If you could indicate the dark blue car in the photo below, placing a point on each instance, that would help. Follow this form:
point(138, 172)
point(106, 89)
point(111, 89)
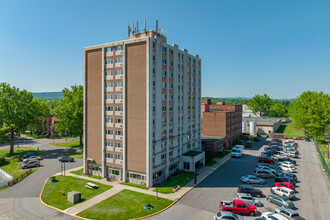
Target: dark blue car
point(267, 153)
point(288, 175)
point(29, 155)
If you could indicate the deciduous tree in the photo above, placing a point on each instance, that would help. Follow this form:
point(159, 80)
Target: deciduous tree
point(260, 104)
point(70, 112)
point(16, 112)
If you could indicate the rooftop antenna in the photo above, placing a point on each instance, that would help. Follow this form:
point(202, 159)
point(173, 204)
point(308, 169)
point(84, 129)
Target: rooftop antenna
point(129, 30)
point(156, 26)
point(162, 31)
point(145, 25)
point(133, 28)
point(137, 26)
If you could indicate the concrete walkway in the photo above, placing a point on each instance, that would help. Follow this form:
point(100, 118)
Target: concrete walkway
point(203, 172)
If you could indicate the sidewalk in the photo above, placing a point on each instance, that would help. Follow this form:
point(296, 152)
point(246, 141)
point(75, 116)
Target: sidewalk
point(117, 187)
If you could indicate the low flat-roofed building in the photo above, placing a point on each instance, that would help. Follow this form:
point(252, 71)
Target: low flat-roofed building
point(261, 125)
point(213, 145)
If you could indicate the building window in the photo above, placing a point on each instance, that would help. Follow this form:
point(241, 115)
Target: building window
point(118, 156)
point(118, 144)
point(170, 154)
point(186, 165)
point(108, 155)
point(171, 52)
point(164, 49)
point(171, 75)
point(119, 72)
point(118, 96)
point(119, 133)
point(153, 45)
point(108, 84)
point(164, 73)
point(119, 84)
point(119, 120)
point(109, 108)
point(109, 61)
point(163, 97)
point(108, 96)
point(110, 132)
point(119, 60)
point(119, 108)
point(108, 120)
point(109, 73)
point(109, 50)
point(164, 108)
point(163, 156)
point(171, 63)
point(109, 143)
point(118, 48)
point(163, 61)
point(163, 84)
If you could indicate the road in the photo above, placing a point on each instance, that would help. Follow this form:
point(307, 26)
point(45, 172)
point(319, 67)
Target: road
point(21, 201)
point(313, 197)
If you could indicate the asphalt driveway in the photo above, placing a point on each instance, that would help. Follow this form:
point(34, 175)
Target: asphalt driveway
point(21, 201)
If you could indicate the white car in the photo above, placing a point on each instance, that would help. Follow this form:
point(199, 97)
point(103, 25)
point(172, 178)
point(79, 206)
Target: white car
point(252, 179)
point(287, 168)
point(272, 216)
point(287, 163)
point(266, 168)
point(227, 215)
point(282, 156)
point(266, 165)
point(282, 191)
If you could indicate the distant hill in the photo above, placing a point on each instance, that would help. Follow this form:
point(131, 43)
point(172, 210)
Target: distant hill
point(48, 95)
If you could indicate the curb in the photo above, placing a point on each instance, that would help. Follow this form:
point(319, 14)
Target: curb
point(227, 157)
point(175, 201)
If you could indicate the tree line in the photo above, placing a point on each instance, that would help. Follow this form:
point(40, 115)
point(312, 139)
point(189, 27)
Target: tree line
point(310, 111)
point(19, 112)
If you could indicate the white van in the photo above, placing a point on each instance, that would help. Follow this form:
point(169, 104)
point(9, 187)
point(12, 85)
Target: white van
point(237, 151)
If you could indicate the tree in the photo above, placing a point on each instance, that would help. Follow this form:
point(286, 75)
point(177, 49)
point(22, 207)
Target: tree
point(311, 111)
point(16, 112)
point(70, 112)
point(42, 111)
point(278, 110)
point(260, 104)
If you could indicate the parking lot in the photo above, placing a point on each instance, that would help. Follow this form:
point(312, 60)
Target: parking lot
point(313, 188)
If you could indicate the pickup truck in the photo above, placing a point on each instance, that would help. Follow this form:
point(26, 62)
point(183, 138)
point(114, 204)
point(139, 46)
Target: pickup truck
point(238, 206)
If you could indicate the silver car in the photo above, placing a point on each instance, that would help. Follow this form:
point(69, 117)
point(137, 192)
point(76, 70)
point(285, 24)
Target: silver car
point(227, 215)
point(247, 198)
point(289, 213)
point(252, 179)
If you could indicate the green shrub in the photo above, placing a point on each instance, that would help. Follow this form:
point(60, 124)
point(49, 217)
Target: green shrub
point(237, 142)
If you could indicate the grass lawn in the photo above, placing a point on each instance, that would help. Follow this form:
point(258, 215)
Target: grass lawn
point(324, 149)
point(96, 177)
point(126, 204)
point(77, 155)
point(210, 163)
point(18, 152)
point(182, 179)
point(68, 144)
point(78, 172)
point(224, 153)
point(52, 193)
point(135, 185)
point(290, 130)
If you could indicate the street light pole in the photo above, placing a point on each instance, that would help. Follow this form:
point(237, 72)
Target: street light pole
point(157, 186)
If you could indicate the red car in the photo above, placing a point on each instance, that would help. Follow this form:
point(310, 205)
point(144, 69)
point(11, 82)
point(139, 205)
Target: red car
point(265, 160)
point(238, 206)
point(286, 185)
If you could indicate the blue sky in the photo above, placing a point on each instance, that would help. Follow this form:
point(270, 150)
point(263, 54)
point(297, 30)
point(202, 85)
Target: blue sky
point(277, 47)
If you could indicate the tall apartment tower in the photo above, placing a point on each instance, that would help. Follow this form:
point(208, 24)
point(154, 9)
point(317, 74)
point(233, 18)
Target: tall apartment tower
point(142, 120)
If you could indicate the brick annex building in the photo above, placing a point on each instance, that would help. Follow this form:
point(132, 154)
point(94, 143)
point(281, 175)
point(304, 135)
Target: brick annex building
point(221, 124)
point(142, 118)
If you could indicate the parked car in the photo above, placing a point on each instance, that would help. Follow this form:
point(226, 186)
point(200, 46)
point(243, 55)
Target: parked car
point(289, 160)
point(250, 190)
point(37, 157)
point(29, 164)
point(266, 165)
point(264, 173)
point(287, 168)
point(290, 175)
point(288, 213)
point(238, 206)
point(266, 168)
point(272, 216)
point(252, 179)
point(264, 159)
point(289, 163)
point(280, 201)
point(248, 144)
point(282, 157)
point(293, 154)
point(285, 179)
point(267, 153)
point(65, 159)
point(247, 198)
point(285, 185)
point(307, 139)
point(281, 191)
point(227, 215)
point(29, 155)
